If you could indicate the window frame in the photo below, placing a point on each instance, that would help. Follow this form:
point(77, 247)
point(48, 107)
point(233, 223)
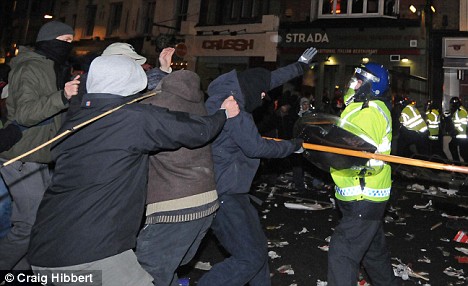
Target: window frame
point(350, 5)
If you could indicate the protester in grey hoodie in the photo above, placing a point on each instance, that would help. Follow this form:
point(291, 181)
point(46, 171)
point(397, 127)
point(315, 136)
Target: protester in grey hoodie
point(90, 215)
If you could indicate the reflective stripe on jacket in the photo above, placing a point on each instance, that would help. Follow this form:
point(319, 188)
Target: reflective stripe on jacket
point(460, 120)
point(433, 123)
point(376, 126)
point(411, 119)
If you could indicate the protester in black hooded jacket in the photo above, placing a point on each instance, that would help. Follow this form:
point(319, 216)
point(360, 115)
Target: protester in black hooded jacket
point(236, 156)
point(91, 213)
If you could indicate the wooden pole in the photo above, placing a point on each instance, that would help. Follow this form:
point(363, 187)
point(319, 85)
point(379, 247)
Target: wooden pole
point(74, 128)
point(383, 157)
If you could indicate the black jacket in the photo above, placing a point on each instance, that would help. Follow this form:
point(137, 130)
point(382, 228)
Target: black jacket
point(9, 136)
point(94, 206)
point(238, 149)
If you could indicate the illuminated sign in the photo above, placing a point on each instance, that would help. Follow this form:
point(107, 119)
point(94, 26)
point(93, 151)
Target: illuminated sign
point(232, 44)
point(307, 38)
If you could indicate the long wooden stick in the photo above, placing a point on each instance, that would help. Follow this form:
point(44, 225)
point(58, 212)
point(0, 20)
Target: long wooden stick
point(383, 157)
point(74, 128)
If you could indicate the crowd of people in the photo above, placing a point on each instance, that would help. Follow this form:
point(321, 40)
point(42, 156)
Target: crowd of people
point(133, 193)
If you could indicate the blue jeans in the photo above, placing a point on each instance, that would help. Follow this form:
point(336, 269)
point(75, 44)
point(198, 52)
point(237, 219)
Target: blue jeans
point(162, 247)
point(5, 209)
point(238, 229)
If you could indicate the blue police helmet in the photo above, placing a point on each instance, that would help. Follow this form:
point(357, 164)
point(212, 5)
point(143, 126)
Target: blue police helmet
point(375, 75)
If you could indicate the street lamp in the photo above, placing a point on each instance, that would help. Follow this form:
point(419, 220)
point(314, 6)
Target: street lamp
point(415, 10)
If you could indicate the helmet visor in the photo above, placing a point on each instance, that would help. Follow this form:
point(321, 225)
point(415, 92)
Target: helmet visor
point(365, 76)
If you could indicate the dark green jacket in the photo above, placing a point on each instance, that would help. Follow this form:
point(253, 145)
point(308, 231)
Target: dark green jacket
point(34, 103)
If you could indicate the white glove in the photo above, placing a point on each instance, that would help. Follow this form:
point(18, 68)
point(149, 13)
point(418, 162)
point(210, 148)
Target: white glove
point(308, 55)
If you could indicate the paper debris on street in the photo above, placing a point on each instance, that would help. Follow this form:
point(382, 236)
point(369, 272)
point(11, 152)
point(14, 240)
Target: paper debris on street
point(286, 269)
point(461, 236)
point(306, 206)
point(273, 255)
point(203, 265)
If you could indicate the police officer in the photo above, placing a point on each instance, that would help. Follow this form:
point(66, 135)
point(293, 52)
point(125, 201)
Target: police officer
point(460, 120)
point(433, 126)
point(413, 130)
point(362, 195)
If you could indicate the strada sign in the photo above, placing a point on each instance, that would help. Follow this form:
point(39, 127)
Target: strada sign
point(231, 44)
point(307, 38)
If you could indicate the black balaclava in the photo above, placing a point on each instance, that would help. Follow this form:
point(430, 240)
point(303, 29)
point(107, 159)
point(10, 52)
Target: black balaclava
point(56, 50)
point(253, 82)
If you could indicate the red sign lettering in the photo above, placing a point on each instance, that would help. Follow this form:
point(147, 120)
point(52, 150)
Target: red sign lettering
point(236, 45)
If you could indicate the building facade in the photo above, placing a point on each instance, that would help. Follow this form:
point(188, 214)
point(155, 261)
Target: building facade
point(423, 47)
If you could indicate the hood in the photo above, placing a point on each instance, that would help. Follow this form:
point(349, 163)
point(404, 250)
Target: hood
point(221, 88)
point(180, 91)
point(253, 82)
point(114, 74)
point(183, 83)
point(25, 54)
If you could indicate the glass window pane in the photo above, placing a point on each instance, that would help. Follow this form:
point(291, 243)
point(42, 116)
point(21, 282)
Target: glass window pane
point(372, 6)
point(327, 7)
point(357, 6)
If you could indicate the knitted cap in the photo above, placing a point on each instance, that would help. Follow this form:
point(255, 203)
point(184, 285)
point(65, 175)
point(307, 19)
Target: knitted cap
point(52, 30)
point(125, 50)
point(253, 82)
point(114, 74)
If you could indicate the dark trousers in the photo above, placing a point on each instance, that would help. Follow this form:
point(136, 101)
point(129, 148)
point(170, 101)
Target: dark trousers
point(298, 172)
point(459, 148)
point(5, 209)
point(453, 148)
point(360, 238)
point(463, 147)
point(435, 147)
point(407, 138)
point(27, 182)
point(238, 229)
point(162, 247)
